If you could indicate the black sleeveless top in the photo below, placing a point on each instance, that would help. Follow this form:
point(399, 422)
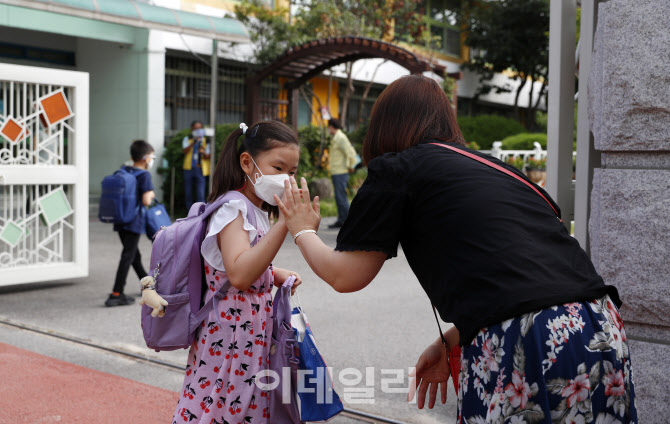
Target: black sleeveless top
point(484, 246)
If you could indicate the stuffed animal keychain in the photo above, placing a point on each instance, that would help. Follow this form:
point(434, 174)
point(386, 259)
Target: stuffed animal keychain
point(151, 298)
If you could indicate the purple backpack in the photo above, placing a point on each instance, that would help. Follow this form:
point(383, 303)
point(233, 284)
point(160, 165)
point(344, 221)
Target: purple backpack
point(177, 266)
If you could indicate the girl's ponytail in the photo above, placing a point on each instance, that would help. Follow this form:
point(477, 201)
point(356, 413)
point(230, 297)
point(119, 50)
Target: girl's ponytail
point(228, 174)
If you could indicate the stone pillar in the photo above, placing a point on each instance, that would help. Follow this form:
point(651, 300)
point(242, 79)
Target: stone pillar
point(629, 227)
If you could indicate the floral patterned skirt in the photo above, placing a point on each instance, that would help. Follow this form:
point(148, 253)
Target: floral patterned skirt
point(564, 364)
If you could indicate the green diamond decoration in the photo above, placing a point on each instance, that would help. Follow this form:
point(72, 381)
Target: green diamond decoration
point(55, 206)
point(11, 234)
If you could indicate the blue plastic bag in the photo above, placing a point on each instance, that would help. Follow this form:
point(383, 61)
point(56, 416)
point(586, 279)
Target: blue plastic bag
point(157, 217)
point(318, 402)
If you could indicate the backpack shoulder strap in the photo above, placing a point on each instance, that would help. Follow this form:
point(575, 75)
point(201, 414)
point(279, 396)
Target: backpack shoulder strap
point(135, 172)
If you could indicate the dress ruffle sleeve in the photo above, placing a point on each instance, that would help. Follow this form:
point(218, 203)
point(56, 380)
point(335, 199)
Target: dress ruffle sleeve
point(222, 217)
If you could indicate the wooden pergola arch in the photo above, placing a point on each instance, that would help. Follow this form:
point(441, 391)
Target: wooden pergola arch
point(301, 63)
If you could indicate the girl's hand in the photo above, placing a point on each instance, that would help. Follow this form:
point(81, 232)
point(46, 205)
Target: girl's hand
point(297, 209)
point(432, 370)
point(281, 275)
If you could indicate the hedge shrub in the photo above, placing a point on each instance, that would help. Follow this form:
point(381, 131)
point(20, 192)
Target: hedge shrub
point(485, 129)
point(524, 141)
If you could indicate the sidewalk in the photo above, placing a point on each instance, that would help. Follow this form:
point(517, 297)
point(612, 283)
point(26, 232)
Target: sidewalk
point(385, 326)
point(68, 393)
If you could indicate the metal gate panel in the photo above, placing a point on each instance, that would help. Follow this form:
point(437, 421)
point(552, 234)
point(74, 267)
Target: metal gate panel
point(43, 174)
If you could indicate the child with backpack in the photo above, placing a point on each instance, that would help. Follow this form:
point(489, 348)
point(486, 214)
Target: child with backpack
point(143, 157)
point(232, 343)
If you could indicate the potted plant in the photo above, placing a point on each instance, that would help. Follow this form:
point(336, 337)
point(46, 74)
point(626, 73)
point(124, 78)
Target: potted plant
point(537, 170)
point(516, 162)
point(472, 145)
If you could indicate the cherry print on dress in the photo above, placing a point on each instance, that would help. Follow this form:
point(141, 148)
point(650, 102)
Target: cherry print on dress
point(230, 340)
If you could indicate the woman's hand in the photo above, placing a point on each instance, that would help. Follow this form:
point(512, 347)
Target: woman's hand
point(281, 275)
point(431, 371)
point(297, 210)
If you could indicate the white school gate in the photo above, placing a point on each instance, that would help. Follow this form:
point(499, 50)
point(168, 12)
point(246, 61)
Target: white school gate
point(43, 174)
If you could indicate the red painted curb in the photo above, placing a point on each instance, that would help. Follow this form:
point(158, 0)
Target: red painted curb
point(37, 389)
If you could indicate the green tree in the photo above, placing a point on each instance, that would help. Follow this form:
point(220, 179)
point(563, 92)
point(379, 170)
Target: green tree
point(509, 35)
point(269, 30)
point(273, 31)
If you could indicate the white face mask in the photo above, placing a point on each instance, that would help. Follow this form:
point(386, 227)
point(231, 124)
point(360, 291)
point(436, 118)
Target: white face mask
point(150, 162)
point(266, 186)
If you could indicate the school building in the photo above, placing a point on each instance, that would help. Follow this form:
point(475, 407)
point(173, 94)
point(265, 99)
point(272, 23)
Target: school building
point(81, 79)
point(149, 66)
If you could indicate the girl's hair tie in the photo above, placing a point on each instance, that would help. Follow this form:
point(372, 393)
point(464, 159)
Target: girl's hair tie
point(244, 127)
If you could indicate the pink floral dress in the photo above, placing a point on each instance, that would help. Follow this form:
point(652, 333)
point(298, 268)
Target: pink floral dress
point(232, 346)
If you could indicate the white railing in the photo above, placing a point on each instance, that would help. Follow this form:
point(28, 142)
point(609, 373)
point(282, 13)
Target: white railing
point(504, 155)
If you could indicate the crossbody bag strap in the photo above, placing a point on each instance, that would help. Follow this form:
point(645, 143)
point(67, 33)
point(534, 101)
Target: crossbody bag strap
point(453, 355)
point(444, 341)
point(501, 169)
point(511, 174)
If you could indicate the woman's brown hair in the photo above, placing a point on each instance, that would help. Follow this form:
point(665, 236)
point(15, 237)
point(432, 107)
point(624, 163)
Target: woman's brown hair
point(409, 111)
point(259, 137)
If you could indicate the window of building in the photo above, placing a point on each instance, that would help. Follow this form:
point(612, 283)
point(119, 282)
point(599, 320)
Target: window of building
point(37, 54)
point(357, 112)
point(446, 36)
point(187, 92)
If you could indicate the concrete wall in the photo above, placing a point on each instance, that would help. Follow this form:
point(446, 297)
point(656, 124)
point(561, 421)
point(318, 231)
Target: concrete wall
point(126, 101)
point(630, 219)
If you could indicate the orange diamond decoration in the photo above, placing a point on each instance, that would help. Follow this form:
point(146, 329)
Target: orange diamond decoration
point(55, 107)
point(12, 130)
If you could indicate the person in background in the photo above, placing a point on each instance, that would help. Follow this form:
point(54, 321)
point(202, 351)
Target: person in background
point(196, 166)
point(142, 154)
point(342, 160)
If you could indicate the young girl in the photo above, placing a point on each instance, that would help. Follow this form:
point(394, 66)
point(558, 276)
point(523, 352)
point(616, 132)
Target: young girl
point(232, 348)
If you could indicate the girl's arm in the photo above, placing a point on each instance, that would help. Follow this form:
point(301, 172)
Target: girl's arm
point(245, 264)
point(343, 271)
